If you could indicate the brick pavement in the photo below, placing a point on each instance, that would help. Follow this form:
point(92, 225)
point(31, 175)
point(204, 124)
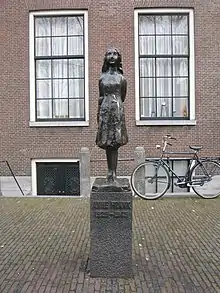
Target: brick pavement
point(44, 247)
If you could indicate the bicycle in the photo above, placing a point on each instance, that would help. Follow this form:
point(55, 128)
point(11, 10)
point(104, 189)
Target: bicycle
point(151, 179)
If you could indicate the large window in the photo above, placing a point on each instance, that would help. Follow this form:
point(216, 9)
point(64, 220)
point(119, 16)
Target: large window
point(165, 65)
point(59, 67)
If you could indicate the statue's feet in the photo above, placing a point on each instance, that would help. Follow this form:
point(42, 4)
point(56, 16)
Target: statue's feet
point(112, 179)
point(111, 176)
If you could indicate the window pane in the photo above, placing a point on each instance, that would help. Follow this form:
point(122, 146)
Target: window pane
point(148, 107)
point(147, 87)
point(60, 108)
point(43, 46)
point(180, 167)
point(60, 88)
point(164, 88)
point(59, 26)
point(43, 89)
point(43, 68)
point(146, 25)
point(59, 68)
point(42, 26)
point(44, 109)
point(164, 107)
point(76, 88)
point(180, 45)
point(180, 24)
point(180, 107)
point(180, 86)
point(147, 67)
point(75, 25)
point(59, 46)
point(76, 108)
point(76, 68)
point(163, 66)
point(180, 67)
point(163, 45)
point(147, 45)
point(75, 46)
point(163, 24)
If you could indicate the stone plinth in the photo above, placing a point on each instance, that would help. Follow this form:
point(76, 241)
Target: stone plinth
point(111, 230)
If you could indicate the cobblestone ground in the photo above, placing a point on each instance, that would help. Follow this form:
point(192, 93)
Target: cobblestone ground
point(44, 247)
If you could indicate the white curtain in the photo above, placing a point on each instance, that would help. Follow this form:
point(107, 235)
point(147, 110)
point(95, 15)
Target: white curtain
point(163, 80)
point(59, 82)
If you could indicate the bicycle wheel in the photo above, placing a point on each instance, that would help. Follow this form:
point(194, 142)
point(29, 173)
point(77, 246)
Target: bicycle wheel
point(150, 180)
point(205, 179)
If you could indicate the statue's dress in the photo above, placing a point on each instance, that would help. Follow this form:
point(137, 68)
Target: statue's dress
point(112, 132)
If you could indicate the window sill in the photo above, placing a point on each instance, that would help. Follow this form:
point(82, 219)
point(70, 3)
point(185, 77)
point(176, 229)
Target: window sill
point(58, 123)
point(165, 122)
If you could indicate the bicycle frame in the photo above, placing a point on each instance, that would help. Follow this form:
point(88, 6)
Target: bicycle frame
point(184, 180)
point(165, 162)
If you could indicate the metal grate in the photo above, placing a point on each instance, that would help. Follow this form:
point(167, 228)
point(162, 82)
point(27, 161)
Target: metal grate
point(49, 179)
point(58, 178)
point(72, 180)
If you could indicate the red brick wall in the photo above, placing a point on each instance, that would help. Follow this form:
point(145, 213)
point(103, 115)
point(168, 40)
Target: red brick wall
point(110, 23)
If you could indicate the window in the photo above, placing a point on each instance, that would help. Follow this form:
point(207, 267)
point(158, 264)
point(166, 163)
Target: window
point(55, 177)
point(164, 66)
point(58, 68)
point(58, 178)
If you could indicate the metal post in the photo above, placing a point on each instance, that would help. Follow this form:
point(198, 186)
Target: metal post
point(14, 177)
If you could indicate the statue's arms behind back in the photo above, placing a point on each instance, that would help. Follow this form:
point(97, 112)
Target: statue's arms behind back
point(123, 89)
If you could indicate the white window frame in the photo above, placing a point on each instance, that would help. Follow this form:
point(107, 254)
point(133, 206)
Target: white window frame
point(33, 122)
point(34, 169)
point(191, 120)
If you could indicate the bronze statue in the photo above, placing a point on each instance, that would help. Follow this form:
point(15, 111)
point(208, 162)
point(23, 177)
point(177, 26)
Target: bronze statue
point(112, 132)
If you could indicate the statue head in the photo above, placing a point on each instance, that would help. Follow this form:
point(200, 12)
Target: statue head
point(112, 58)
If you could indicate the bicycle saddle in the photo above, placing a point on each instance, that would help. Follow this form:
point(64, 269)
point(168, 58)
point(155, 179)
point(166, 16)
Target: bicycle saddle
point(195, 147)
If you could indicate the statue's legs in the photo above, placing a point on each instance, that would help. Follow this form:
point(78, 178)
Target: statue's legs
point(112, 161)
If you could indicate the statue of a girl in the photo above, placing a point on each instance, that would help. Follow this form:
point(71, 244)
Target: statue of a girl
point(112, 132)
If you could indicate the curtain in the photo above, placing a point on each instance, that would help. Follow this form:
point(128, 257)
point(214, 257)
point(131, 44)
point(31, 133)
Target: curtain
point(60, 80)
point(163, 77)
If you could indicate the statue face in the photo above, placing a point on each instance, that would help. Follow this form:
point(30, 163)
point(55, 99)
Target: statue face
point(112, 57)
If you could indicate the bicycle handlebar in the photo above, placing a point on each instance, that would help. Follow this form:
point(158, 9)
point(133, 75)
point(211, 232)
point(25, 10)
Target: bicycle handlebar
point(168, 136)
point(165, 141)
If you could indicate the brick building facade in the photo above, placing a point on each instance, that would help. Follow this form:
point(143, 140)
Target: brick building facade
point(183, 100)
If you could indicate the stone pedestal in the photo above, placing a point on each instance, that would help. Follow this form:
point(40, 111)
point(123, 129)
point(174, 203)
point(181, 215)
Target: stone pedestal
point(111, 230)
